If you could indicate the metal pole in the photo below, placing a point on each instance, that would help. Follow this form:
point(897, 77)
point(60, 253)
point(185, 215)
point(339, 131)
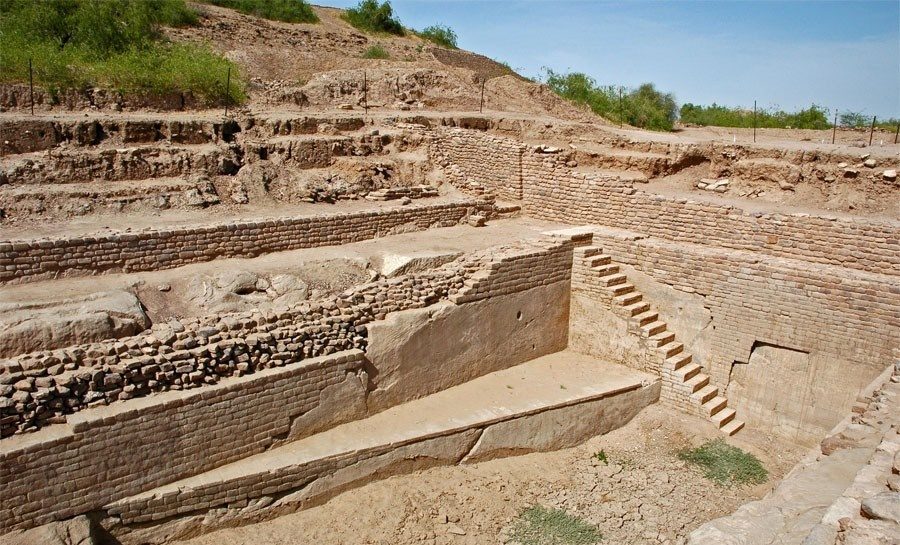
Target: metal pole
point(31, 84)
point(872, 130)
point(754, 121)
point(227, 88)
point(896, 132)
point(481, 105)
point(834, 128)
point(366, 92)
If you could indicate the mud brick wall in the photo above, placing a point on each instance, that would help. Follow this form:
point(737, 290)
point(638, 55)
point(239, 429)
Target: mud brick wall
point(554, 191)
point(492, 161)
point(126, 448)
point(155, 249)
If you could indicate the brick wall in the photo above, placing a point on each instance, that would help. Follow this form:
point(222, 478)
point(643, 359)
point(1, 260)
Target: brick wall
point(67, 469)
point(495, 162)
point(123, 449)
point(554, 191)
point(155, 249)
point(842, 318)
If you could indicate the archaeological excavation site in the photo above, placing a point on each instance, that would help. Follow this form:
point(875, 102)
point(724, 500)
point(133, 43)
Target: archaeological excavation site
point(421, 299)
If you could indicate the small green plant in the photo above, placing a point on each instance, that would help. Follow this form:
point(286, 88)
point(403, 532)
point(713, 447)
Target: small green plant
point(539, 525)
point(724, 464)
point(601, 456)
point(441, 35)
point(289, 11)
point(376, 52)
point(372, 16)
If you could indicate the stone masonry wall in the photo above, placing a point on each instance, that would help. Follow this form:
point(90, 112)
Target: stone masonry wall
point(492, 161)
point(846, 318)
point(127, 448)
point(155, 249)
point(554, 191)
point(64, 470)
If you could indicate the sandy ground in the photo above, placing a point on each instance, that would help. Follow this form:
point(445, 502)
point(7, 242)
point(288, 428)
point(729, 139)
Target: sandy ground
point(644, 495)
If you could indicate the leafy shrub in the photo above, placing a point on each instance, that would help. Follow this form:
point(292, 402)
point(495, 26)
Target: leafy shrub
point(441, 35)
point(814, 117)
point(859, 119)
point(540, 525)
point(644, 107)
point(370, 16)
point(725, 464)
point(376, 52)
point(289, 11)
point(109, 43)
point(853, 119)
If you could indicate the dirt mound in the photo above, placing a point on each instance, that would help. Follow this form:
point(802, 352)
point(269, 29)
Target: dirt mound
point(484, 67)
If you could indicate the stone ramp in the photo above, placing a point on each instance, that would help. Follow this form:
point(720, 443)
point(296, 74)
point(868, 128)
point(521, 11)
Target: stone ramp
point(552, 402)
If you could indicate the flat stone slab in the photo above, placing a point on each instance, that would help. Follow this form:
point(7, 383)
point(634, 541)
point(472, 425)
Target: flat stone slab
point(475, 418)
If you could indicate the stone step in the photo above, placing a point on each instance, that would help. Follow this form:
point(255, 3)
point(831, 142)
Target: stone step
point(622, 289)
point(510, 411)
point(589, 251)
point(597, 260)
point(714, 405)
point(679, 360)
point(646, 317)
point(697, 382)
point(671, 349)
point(605, 270)
point(732, 427)
point(705, 394)
point(653, 328)
point(662, 339)
point(636, 308)
point(687, 372)
point(722, 417)
point(613, 280)
point(628, 298)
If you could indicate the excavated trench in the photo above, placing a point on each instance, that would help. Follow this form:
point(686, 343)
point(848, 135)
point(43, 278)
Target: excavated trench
point(211, 324)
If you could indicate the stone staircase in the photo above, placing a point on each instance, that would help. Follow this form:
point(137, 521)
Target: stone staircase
point(685, 385)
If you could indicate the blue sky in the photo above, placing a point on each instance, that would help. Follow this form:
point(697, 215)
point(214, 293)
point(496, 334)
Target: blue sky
point(838, 54)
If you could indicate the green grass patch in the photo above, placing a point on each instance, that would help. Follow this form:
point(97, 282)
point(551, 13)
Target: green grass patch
point(814, 117)
point(372, 16)
point(376, 52)
point(601, 456)
point(724, 464)
point(441, 35)
point(539, 525)
point(644, 107)
point(112, 44)
point(289, 11)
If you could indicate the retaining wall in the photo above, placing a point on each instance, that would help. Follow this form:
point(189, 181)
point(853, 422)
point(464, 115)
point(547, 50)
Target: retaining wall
point(553, 190)
point(155, 249)
point(104, 453)
point(845, 322)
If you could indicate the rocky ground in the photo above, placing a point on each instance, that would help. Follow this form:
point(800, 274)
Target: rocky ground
point(643, 495)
